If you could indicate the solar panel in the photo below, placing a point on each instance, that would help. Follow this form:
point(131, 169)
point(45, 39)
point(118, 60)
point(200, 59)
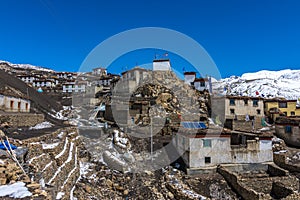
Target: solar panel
point(202, 125)
point(194, 125)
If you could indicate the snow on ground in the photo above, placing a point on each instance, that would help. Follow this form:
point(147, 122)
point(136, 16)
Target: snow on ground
point(16, 190)
point(60, 195)
point(64, 149)
point(63, 165)
point(34, 158)
point(50, 146)
point(41, 126)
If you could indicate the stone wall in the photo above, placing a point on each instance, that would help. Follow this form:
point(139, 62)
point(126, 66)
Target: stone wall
point(245, 192)
point(57, 165)
point(274, 170)
point(280, 160)
point(19, 120)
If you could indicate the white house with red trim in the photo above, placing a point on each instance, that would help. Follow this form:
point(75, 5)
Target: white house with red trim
point(10, 103)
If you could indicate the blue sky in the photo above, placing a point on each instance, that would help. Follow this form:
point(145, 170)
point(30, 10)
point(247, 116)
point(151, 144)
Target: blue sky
point(240, 36)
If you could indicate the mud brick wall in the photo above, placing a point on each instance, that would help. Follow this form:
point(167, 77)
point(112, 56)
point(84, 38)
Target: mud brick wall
point(277, 171)
point(280, 191)
point(280, 160)
point(19, 120)
point(246, 193)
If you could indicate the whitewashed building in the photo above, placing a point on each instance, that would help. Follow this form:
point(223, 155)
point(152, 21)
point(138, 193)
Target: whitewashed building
point(14, 104)
point(161, 65)
point(70, 87)
point(201, 84)
point(206, 151)
point(27, 78)
point(189, 77)
point(43, 83)
point(99, 71)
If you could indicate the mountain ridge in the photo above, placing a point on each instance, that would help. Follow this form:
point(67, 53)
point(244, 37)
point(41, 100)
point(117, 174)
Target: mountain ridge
point(265, 83)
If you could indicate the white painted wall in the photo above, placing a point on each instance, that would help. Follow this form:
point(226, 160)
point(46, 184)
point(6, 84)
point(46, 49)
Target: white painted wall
point(189, 78)
point(162, 66)
point(17, 105)
point(222, 152)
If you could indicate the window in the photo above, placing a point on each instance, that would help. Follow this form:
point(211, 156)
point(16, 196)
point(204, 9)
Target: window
point(206, 143)
point(26, 106)
point(232, 111)
point(288, 129)
point(246, 102)
point(19, 106)
point(285, 113)
point(207, 160)
point(255, 102)
point(11, 105)
point(231, 102)
point(292, 113)
point(202, 84)
point(282, 105)
point(258, 111)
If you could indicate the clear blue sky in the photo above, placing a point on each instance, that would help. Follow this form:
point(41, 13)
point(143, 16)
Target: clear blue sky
point(240, 36)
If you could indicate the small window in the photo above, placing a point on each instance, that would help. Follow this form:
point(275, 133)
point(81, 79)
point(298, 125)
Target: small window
point(292, 113)
point(232, 111)
point(206, 143)
point(282, 105)
point(255, 102)
point(285, 113)
point(288, 129)
point(207, 160)
point(246, 102)
point(11, 105)
point(26, 106)
point(258, 111)
point(202, 84)
point(231, 102)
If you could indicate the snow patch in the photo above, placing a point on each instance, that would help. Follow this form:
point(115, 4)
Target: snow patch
point(50, 146)
point(41, 126)
point(16, 190)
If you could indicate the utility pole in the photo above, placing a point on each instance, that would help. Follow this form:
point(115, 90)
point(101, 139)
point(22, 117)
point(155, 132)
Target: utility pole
point(151, 132)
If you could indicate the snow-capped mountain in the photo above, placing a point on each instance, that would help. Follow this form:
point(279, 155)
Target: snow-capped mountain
point(26, 66)
point(284, 83)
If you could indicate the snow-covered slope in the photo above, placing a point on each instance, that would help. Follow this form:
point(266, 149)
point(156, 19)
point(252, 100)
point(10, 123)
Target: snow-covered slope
point(284, 83)
point(26, 66)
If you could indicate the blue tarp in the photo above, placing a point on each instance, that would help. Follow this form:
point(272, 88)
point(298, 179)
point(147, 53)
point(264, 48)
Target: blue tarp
point(13, 147)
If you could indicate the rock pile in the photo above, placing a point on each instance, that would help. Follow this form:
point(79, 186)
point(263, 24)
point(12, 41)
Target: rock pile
point(11, 173)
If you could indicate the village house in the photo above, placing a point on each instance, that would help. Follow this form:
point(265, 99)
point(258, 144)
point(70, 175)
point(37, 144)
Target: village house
point(100, 71)
point(72, 86)
point(131, 79)
point(206, 149)
point(288, 129)
point(11, 102)
point(280, 107)
point(27, 78)
point(161, 65)
point(107, 80)
point(189, 77)
point(200, 84)
point(240, 112)
point(43, 83)
point(65, 75)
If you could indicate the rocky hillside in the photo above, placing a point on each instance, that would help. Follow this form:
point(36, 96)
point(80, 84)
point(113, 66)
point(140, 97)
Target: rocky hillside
point(39, 101)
